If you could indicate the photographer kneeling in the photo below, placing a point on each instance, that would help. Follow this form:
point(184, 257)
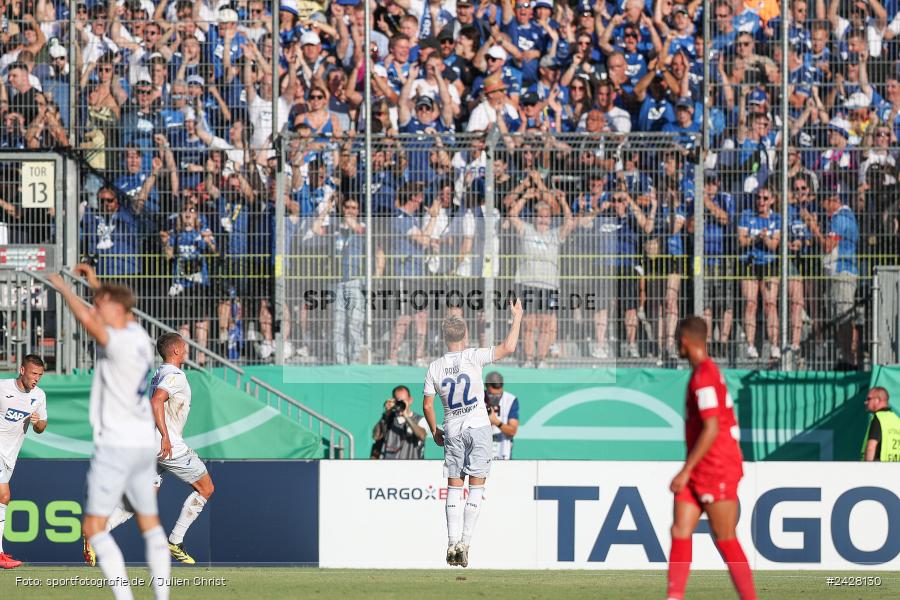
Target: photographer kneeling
point(400, 433)
point(503, 411)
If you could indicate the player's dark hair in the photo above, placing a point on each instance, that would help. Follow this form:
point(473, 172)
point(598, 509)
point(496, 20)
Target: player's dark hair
point(693, 327)
point(166, 344)
point(116, 293)
point(397, 389)
point(33, 359)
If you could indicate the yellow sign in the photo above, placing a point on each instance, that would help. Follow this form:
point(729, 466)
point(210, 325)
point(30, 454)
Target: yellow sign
point(38, 184)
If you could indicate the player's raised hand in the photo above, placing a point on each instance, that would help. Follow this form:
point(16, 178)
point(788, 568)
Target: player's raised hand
point(516, 307)
point(165, 448)
point(439, 436)
point(680, 481)
point(57, 281)
point(87, 271)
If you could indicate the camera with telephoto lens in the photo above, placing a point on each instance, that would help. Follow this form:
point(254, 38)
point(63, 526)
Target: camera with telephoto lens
point(493, 403)
point(399, 406)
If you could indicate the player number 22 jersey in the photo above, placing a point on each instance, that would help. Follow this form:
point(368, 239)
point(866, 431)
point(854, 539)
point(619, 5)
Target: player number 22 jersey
point(708, 397)
point(456, 378)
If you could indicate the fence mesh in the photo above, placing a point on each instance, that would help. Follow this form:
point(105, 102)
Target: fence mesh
point(554, 153)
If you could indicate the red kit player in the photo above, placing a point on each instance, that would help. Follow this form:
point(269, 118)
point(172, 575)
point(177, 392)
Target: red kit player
point(708, 481)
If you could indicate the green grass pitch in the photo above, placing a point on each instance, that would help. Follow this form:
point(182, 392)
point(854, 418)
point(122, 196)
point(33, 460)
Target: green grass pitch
point(333, 584)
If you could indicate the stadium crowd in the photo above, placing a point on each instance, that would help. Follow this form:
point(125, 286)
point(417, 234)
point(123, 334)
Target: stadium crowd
point(579, 121)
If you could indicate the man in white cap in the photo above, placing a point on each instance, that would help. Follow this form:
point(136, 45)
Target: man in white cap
point(495, 59)
point(225, 41)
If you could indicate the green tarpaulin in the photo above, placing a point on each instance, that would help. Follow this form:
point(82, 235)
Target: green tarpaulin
point(224, 423)
point(624, 414)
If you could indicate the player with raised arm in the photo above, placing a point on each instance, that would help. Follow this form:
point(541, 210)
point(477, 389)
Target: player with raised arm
point(709, 480)
point(124, 459)
point(170, 396)
point(22, 403)
point(466, 437)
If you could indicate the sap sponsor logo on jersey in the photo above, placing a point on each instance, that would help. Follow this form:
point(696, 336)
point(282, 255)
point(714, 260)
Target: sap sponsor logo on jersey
point(60, 523)
point(795, 499)
point(14, 415)
point(414, 494)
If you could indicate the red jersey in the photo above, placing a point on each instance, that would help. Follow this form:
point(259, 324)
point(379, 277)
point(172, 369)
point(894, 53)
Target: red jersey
point(707, 396)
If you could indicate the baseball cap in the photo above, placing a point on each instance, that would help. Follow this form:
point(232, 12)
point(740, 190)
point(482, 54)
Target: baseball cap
point(195, 80)
point(143, 81)
point(757, 96)
point(310, 38)
point(857, 100)
point(227, 15)
point(446, 33)
point(494, 378)
point(289, 6)
point(530, 98)
point(464, 2)
point(348, 2)
point(543, 4)
point(684, 102)
point(711, 175)
point(549, 62)
point(497, 52)
point(840, 125)
point(57, 51)
point(425, 101)
point(680, 8)
point(189, 114)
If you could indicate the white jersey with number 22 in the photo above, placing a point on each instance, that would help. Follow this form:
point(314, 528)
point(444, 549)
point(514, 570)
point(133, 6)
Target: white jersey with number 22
point(457, 378)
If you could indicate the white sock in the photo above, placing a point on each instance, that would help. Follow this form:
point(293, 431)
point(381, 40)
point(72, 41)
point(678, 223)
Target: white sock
point(119, 516)
point(454, 514)
point(111, 562)
point(2, 524)
point(470, 517)
point(189, 513)
point(157, 554)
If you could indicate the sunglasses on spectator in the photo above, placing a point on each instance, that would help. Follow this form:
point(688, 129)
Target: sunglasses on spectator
point(763, 197)
point(180, 97)
point(801, 188)
point(106, 69)
point(631, 34)
point(492, 58)
point(885, 134)
point(523, 5)
point(256, 11)
point(448, 41)
point(316, 97)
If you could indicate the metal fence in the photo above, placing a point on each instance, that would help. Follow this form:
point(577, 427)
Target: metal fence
point(769, 217)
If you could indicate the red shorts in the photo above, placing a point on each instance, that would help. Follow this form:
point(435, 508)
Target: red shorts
point(701, 492)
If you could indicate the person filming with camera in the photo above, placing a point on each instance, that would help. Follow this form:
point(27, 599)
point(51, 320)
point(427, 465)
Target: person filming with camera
point(400, 433)
point(503, 411)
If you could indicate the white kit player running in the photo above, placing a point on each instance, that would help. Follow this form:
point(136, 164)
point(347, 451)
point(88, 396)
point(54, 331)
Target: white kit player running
point(22, 403)
point(124, 459)
point(170, 396)
point(467, 438)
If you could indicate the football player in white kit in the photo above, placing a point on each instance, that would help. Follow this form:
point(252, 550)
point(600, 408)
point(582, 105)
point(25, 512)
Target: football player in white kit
point(170, 396)
point(22, 403)
point(124, 460)
point(466, 437)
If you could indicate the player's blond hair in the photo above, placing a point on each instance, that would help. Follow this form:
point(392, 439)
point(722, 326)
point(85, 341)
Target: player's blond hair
point(454, 329)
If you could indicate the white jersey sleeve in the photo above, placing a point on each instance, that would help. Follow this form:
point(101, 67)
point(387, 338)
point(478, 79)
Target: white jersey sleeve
point(174, 382)
point(120, 411)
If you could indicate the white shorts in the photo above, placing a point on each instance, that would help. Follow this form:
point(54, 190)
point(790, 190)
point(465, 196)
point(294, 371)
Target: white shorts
point(469, 453)
point(121, 475)
point(6, 471)
point(187, 467)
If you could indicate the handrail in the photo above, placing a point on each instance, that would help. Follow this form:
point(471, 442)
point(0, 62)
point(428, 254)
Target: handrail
point(334, 450)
